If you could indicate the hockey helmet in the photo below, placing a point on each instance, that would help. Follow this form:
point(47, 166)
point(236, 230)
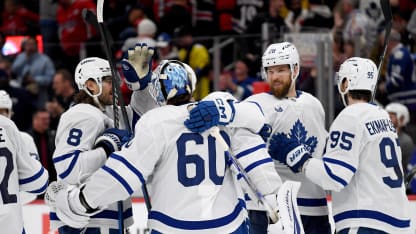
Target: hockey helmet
point(280, 54)
point(361, 74)
point(172, 78)
point(91, 68)
point(401, 111)
point(6, 102)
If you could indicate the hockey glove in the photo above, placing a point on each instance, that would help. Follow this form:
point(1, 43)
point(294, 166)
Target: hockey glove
point(265, 132)
point(207, 114)
point(137, 68)
point(288, 151)
point(64, 199)
point(112, 139)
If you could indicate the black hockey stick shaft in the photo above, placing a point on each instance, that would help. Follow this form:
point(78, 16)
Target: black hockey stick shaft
point(410, 176)
point(388, 18)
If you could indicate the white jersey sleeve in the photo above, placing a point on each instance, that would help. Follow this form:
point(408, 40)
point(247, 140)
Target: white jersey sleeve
point(19, 172)
point(29, 143)
point(75, 157)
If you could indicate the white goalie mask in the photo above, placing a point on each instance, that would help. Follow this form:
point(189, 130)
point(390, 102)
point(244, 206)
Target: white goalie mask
point(360, 73)
point(280, 54)
point(172, 78)
point(6, 102)
point(91, 68)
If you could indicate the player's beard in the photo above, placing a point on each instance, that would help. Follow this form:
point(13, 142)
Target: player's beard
point(106, 99)
point(283, 89)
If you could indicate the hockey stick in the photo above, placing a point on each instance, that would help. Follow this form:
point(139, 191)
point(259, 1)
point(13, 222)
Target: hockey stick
point(215, 132)
point(388, 18)
point(410, 176)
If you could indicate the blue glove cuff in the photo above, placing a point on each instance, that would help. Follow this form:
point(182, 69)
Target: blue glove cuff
point(133, 81)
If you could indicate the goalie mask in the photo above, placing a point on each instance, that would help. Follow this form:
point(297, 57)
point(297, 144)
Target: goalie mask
point(91, 68)
point(280, 54)
point(360, 73)
point(172, 78)
point(6, 102)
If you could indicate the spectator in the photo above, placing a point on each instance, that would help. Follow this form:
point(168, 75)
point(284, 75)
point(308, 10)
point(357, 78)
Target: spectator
point(34, 71)
point(18, 20)
point(179, 15)
point(146, 31)
point(49, 29)
point(23, 104)
point(239, 82)
point(399, 115)
point(73, 30)
point(166, 49)
point(44, 140)
point(63, 96)
point(400, 85)
point(197, 56)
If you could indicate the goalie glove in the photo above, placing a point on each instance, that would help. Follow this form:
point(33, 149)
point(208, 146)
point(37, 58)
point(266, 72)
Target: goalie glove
point(112, 139)
point(207, 114)
point(137, 68)
point(65, 200)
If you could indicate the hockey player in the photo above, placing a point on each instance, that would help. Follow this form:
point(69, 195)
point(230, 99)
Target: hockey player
point(6, 110)
point(192, 187)
point(85, 136)
point(20, 172)
point(292, 112)
point(361, 165)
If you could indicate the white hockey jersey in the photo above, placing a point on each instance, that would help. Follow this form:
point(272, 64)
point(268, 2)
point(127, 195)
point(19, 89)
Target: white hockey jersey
point(192, 188)
point(303, 118)
point(362, 167)
point(76, 159)
point(29, 143)
point(19, 172)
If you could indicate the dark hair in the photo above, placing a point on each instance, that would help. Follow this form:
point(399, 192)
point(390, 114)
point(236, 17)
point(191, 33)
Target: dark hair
point(83, 97)
point(364, 95)
point(180, 99)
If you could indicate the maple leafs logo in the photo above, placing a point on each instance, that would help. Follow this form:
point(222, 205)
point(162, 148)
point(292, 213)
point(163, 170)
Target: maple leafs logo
point(299, 133)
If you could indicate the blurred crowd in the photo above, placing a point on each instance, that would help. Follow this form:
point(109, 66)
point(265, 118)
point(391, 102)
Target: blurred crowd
point(41, 82)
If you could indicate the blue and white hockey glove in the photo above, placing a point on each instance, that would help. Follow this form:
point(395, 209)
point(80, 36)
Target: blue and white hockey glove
point(288, 151)
point(137, 68)
point(112, 139)
point(207, 114)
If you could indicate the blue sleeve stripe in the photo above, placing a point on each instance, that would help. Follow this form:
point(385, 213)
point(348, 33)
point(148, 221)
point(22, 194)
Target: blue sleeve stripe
point(372, 214)
point(312, 202)
point(65, 156)
point(334, 177)
point(71, 166)
point(118, 178)
point(340, 163)
point(197, 225)
point(254, 165)
point(250, 150)
point(32, 178)
point(41, 190)
point(105, 214)
point(129, 166)
point(258, 105)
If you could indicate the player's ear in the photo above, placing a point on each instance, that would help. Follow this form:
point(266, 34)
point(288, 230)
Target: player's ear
point(92, 86)
point(344, 84)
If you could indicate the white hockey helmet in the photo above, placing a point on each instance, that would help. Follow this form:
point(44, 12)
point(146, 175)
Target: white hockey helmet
point(172, 78)
point(401, 111)
point(280, 54)
point(91, 68)
point(361, 74)
point(6, 102)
